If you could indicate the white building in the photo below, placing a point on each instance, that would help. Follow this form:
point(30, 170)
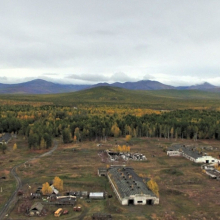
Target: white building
point(96, 195)
point(191, 154)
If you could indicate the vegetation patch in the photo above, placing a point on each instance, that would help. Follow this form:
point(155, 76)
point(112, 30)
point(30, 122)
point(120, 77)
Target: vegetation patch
point(172, 171)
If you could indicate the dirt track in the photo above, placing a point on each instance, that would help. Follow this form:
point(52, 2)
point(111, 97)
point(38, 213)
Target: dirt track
point(12, 198)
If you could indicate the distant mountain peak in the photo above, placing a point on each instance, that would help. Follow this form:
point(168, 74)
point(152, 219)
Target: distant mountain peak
point(41, 86)
point(207, 84)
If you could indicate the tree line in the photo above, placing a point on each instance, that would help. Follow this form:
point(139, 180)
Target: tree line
point(41, 124)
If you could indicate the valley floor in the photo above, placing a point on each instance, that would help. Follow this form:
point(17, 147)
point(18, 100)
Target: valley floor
point(185, 191)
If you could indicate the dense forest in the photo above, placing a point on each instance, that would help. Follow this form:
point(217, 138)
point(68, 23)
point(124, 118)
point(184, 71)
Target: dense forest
point(40, 124)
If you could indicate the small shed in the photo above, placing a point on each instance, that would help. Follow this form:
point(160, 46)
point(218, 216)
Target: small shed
point(96, 195)
point(84, 194)
point(36, 209)
point(55, 191)
point(102, 171)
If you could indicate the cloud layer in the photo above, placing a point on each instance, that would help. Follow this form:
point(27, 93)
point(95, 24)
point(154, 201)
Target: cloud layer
point(174, 42)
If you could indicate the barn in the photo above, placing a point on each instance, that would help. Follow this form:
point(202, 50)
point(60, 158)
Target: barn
point(130, 188)
point(36, 209)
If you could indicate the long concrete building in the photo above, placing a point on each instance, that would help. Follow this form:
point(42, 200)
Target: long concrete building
point(129, 187)
point(190, 153)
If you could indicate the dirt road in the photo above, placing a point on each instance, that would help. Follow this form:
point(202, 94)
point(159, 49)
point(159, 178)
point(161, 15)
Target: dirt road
point(3, 212)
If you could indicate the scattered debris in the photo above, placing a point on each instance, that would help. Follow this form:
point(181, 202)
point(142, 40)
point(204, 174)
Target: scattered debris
point(114, 156)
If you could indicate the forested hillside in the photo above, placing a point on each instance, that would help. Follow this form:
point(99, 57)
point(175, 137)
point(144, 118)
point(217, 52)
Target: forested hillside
point(110, 96)
point(41, 124)
point(104, 112)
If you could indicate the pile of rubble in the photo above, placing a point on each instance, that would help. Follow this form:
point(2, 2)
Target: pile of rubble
point(114, 156)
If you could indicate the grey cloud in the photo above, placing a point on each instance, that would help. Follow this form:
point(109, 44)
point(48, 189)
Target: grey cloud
point(148, 77)
point(119, 76)
point(88, 77)
point(3, 78)
point(51, 74)
point(104, 37)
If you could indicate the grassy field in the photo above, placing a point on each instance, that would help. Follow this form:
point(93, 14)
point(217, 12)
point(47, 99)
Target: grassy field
point(162, 99)
point(185, 192)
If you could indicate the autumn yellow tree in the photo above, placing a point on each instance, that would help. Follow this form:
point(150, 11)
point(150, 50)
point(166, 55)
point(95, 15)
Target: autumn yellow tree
point(46, 189)
point(42, 143)
point(172, 132)
point(58, 183)
point(15, 146)
point(123, 148)
point(115, 130)
point(128, 138)
point(152, 185)
point(74, 138)
point(77, 134)
point(119, 148)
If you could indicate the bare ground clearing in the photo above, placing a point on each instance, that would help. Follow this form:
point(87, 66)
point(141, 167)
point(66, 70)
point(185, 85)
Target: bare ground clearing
point(185, 192)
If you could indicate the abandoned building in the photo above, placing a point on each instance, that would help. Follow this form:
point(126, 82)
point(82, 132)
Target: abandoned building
point(214, 174)
point(114, 156)
point(78, 193)
point(5, 138)
point(190, 153)
point(96, 195)
point(102, 171)
point(129, 187)
point(62, 200)
point(211, 171)
point(36, 209)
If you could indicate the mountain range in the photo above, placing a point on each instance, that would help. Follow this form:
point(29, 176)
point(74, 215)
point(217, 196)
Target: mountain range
point(39, 86)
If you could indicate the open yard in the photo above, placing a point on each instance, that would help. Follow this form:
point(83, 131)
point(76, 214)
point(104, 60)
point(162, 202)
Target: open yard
point(185, 191)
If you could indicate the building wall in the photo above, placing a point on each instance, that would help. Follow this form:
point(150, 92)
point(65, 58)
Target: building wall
point(102, 173)
point(203, 159)
point(174, 153)
point(138, 198)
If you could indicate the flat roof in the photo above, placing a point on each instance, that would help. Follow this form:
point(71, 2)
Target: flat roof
point(6, 137)
point(190, 151)
point(96, 194)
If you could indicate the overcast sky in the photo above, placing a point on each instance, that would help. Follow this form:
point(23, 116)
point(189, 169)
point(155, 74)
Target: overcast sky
point(176, 42)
